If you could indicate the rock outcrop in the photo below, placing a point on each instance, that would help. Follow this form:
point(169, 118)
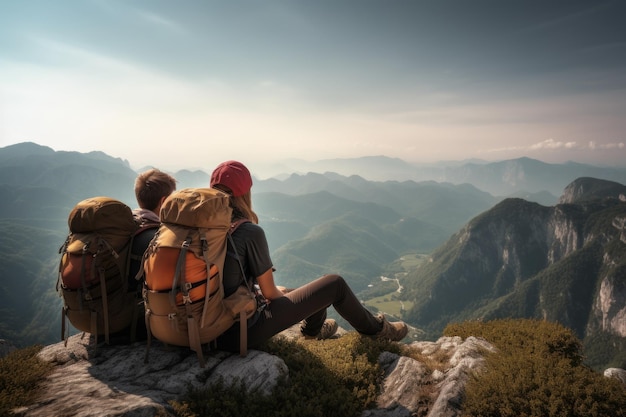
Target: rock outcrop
point(410, 388)
point(116, 381)
point(616, 373)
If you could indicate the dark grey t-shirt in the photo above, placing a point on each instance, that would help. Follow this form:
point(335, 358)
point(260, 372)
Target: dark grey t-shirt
point(254, 253)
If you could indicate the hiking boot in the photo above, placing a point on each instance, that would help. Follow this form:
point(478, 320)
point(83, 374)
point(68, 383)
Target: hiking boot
point(328, 330)
point(394, 332)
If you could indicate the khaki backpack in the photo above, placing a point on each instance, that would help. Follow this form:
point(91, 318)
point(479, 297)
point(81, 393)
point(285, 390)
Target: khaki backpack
point(93, 269)
point(183, 271)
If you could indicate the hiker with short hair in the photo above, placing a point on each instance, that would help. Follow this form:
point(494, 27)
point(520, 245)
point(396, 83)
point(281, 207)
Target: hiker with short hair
point(306, 304)
point(152, 187)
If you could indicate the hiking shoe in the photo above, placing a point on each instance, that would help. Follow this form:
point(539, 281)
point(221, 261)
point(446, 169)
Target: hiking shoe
point(328, 330)
point(394, 332)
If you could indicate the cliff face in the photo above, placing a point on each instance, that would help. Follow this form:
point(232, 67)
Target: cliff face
point(609, 313)
point(565, 263)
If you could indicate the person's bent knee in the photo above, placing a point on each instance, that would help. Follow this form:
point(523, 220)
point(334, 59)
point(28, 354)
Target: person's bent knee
point(335, 277)
point(337, 282)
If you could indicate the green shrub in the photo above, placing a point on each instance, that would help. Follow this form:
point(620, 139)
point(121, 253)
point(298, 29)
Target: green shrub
point(21, 371)
point(537, 372)
point(336, 377)
point(600, 346)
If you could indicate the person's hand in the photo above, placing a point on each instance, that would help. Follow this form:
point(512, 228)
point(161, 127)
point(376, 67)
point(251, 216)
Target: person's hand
point(284, 290)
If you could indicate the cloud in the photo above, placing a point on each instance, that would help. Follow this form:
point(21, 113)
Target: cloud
point(77, 57)
point(602, 146)
point(160, 21)
point(552, 144)
point(555, 145)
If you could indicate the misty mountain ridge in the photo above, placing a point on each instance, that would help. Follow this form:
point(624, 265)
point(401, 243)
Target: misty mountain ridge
point(536, 180)
point(501, 178)
point(73, 175)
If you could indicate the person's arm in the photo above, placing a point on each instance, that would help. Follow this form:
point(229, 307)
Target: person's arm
point(268, 286)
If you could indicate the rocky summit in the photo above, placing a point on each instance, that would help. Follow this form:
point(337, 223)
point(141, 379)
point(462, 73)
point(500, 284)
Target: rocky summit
point(115, 380)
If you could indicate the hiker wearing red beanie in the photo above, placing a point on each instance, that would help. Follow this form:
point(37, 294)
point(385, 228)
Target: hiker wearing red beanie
point(306, 304)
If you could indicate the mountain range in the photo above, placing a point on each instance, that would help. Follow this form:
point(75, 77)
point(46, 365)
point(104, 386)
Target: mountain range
point(508, 178)
point(507, 244)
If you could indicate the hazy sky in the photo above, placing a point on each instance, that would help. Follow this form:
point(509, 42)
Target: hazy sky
point(186, 84)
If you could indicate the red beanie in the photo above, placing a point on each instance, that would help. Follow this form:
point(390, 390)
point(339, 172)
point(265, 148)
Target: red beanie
point(234, 175)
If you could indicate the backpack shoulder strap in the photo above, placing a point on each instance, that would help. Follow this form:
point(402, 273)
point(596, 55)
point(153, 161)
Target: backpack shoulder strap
point(234, 254)
point(236, 224)
point(145, 225)
point(139, 257)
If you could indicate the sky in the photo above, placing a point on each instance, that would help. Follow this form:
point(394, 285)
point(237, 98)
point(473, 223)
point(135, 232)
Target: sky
point(188, 84)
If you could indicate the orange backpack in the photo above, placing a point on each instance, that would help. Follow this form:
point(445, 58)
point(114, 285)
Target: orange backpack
point(183, 267)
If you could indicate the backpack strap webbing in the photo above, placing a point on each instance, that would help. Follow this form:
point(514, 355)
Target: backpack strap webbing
point(105, 308)
point(179, 285)
point(65, 329)
point(234, 253)
point(243, 321)
point(179, 279)
point(207, 263)
point(243, 334)
point(148, 331)
point(194, 334)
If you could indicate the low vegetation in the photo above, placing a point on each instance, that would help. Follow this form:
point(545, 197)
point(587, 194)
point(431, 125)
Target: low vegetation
point(337, 377)
point(21, 372)
point(537, 372)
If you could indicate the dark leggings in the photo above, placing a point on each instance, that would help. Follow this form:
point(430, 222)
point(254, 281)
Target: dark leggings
point(308, 303)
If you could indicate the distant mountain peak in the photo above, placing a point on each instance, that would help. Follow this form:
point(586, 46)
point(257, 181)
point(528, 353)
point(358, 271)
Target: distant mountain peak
point(587, 188)
point(25, 149)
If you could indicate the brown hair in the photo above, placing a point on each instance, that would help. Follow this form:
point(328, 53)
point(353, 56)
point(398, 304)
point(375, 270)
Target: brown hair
point(151, 186)
point(241, 205)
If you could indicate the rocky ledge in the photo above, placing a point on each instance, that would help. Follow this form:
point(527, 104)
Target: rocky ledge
point(117, 382)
